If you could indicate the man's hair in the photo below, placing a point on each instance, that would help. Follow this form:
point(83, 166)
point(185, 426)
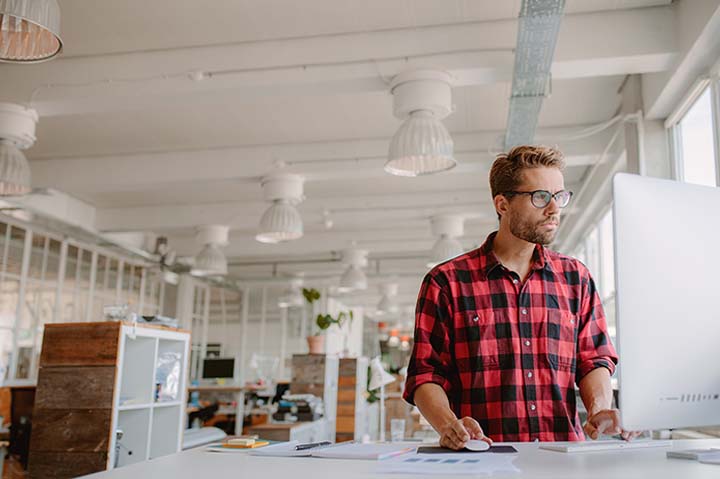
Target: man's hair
point(507, 169)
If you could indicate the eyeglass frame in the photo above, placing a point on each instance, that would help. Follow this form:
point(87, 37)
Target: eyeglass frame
point(532, 194)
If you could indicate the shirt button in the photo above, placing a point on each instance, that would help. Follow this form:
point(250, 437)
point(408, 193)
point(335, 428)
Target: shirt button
point(527, 343)
point(475, 319)
point(515, 281)
point(530, 375)
point(532, 407)
point(572, 321)
point(524, 311)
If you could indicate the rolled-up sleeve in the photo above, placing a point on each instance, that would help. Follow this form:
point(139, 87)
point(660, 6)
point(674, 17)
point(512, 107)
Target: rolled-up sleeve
point(594, 347)
point(431, 360)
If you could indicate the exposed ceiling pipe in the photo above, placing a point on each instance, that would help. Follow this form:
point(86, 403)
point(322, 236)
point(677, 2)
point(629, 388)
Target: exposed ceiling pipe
point(538, 27)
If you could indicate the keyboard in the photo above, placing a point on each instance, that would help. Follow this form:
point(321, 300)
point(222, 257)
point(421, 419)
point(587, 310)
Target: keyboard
point(614, 445)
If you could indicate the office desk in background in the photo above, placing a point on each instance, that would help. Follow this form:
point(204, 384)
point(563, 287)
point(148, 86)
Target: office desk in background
point(532, 462)
point(238, 394)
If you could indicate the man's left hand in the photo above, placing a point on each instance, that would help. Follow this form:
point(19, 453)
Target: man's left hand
point(607, 422)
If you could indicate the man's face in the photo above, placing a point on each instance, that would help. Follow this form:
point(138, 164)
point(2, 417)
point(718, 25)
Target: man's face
point(527, 222)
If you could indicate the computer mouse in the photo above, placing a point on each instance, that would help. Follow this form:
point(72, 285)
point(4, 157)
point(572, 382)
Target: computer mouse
point(477, 445)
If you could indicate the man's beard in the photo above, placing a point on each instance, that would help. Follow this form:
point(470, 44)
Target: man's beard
point(532, 232)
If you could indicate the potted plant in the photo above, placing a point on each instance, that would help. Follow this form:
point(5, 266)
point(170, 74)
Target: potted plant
point(316, 342)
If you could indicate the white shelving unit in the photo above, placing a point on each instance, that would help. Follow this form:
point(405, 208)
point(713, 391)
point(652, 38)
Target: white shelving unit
point(151, 427)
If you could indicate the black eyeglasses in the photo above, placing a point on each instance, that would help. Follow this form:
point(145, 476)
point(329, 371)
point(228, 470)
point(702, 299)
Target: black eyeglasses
point(541, 198)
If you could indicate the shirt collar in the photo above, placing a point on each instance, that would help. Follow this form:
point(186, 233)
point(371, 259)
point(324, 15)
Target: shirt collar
point(489, 261)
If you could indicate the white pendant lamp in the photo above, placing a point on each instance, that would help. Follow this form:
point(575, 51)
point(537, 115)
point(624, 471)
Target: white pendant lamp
point(211, 261)
point(422, 144)
point(282, 221)
point(29, 30)
point(353, 279)
point(17, 132)
point(388, 301)
point(447, 228)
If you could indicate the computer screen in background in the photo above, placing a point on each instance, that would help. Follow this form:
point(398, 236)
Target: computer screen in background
point(218, 368)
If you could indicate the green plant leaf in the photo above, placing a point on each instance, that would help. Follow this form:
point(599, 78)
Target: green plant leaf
point(324, 321)
point(311, 295)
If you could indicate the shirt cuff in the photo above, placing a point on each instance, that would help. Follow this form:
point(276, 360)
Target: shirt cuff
point(414, 382)
point(584, 367)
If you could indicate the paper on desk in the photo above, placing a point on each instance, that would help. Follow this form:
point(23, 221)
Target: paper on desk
point(449, 464)
point(371, 451)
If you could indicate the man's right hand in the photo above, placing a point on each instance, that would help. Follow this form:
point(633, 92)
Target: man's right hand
point(456, 433)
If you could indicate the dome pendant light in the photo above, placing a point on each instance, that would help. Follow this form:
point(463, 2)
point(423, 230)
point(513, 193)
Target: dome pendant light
point(211, 261)
point(448, 228)
point(353, 279)
point(29, 30)
point(17, 132)
point(282, 221)
point(422, 145)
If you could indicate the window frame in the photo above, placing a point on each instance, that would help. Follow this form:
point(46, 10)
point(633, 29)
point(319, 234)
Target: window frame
point(674, 127)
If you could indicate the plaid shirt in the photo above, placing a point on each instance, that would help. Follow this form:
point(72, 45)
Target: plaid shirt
point(506, 353)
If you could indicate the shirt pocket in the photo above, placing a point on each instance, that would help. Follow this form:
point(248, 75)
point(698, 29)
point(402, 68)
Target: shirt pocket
point(560, 335)
point(483, 341)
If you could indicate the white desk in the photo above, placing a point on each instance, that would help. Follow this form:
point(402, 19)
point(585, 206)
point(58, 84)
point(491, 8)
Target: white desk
point(533, 463)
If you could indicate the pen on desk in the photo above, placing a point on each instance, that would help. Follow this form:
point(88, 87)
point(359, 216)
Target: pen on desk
point(310, 445)
point(400, 452)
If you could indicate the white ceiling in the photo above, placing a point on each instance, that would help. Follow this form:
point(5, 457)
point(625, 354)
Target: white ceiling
point(300, 82)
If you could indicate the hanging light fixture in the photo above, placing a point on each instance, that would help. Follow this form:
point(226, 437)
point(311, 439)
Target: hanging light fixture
point(354, 277)
point(17, 132)
point(29, 30)
point(422, 144)
point(211, 261)
point(282, 221)
point(292, 297)
point(388, 301)
point(448, 228)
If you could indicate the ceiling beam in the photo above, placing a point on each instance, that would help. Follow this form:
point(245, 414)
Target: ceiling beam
point(641, 41)
point(321, 161)
point(393, 209)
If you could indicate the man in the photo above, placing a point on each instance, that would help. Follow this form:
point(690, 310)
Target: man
point(505, 332)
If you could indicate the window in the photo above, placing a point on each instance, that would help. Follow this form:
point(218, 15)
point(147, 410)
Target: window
point(696, 147)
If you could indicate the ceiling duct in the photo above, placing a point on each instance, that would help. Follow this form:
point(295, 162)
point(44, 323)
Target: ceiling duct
point(538, 27)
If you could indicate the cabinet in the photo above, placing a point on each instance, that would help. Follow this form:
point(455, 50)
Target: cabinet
point(318, 374)
point(351, 421)
point(97, 379)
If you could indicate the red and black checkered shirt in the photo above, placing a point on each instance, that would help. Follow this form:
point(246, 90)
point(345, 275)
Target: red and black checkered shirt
point(508, 353)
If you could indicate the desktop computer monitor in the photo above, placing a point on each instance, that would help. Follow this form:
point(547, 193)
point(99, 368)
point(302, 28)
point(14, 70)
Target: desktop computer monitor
point(218, 368)
point(667, 279)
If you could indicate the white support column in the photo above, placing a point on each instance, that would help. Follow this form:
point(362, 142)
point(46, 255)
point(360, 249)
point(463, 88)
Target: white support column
point(632, 103)
point(143, 285)
point(118, 285)
point(184, 303)
point(57, 310)
point(240, 412)
point(24, 270)
point(76, 286)
point(36, 316)
point(283, 341)
point(243, 332)
point(263, 319)
point(223, 312)
point(91, 290)
point(161, 297)
point(205, 326)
